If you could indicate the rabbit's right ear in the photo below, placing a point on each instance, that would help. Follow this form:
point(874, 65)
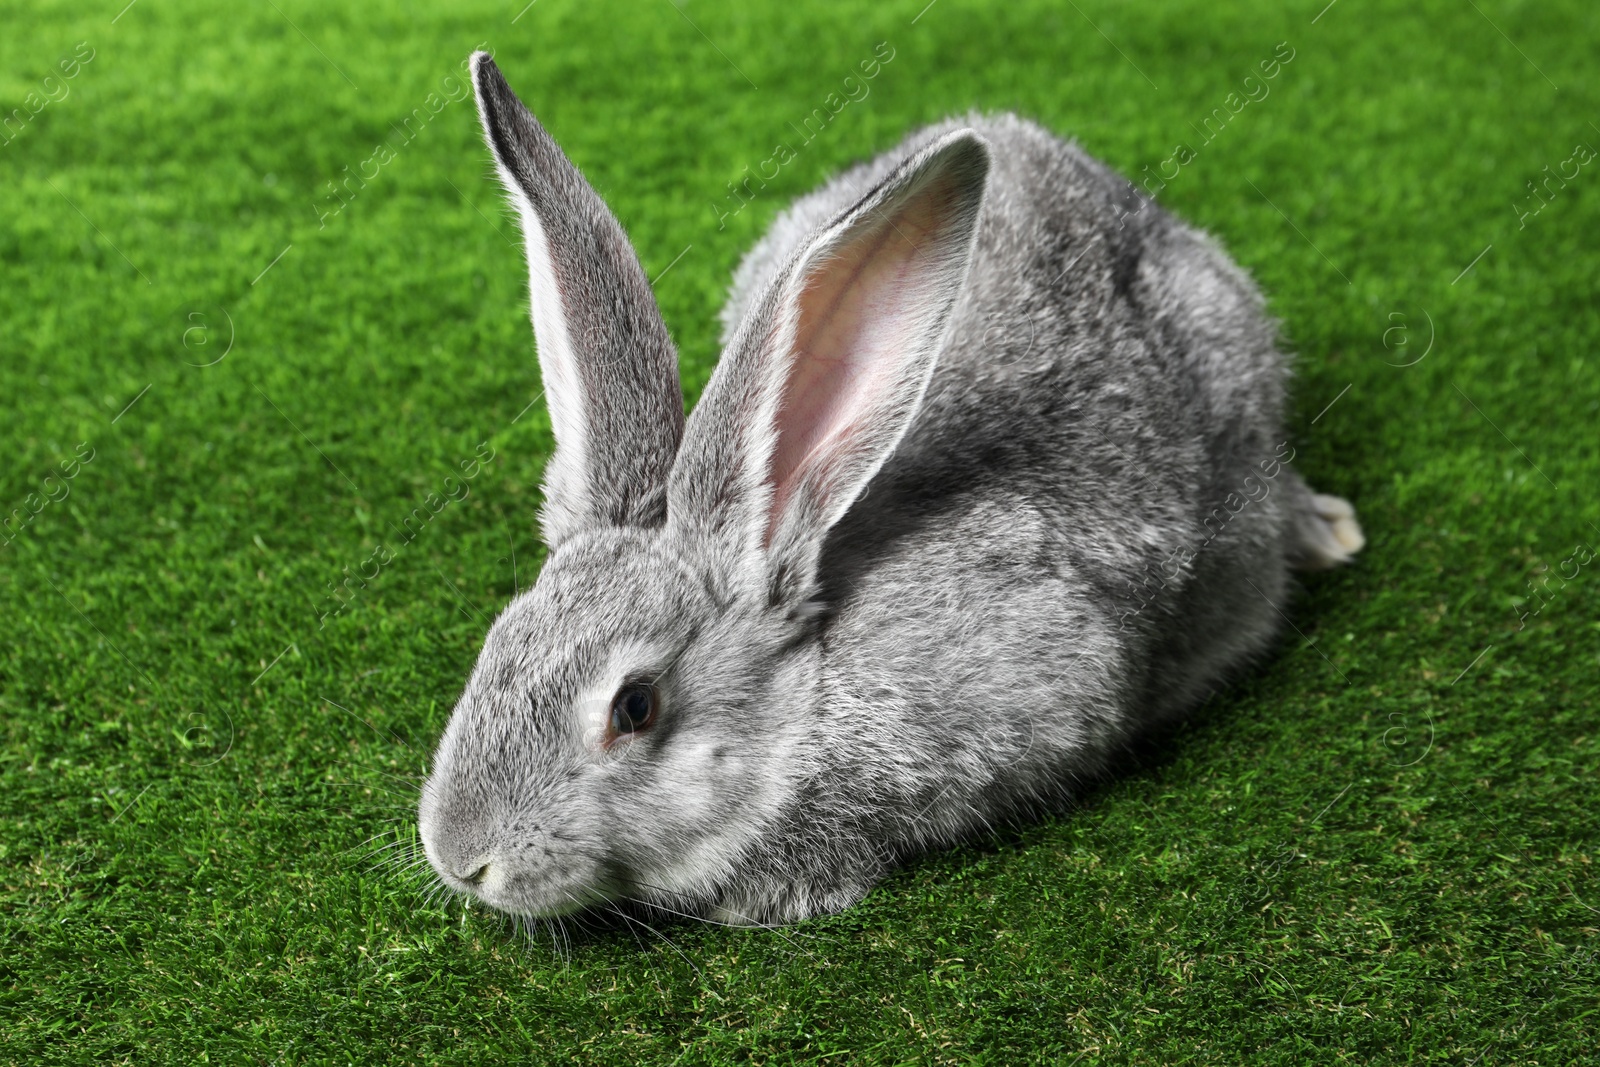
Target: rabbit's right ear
point(609, 367)
point(824, 376)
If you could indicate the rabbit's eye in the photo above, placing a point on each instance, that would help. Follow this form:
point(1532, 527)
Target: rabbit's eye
point(633, 708)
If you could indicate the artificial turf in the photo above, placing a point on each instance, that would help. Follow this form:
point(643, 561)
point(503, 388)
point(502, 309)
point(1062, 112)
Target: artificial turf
point(1378, 848)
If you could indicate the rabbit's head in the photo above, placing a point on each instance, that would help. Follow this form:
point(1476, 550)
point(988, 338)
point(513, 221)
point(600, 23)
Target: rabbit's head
point(638, 721)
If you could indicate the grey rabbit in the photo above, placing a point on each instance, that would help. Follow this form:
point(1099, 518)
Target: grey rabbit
point(991, 478)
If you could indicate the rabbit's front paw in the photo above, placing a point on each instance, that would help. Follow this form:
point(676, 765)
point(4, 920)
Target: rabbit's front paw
point(790, 904)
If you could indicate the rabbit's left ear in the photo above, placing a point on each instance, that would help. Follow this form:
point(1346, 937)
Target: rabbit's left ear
point(609, 367)
point(824, 376)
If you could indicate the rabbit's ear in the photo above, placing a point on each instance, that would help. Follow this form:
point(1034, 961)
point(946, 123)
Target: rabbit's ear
point(609, 367)
point(829, 367)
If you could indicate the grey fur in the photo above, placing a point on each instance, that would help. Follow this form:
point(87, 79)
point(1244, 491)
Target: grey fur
point(1022, 551)
point(625, 365)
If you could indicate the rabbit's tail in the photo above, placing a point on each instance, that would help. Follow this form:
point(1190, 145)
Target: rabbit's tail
point(1326, 533)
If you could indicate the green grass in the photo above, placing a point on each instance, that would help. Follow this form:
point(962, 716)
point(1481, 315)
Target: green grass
point(1377, 849)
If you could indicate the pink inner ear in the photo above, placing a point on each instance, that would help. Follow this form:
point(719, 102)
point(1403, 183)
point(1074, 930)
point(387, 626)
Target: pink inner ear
point(858, 315)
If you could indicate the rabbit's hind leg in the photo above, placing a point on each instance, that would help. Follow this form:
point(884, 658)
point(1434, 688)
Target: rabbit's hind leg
point(1326, 532)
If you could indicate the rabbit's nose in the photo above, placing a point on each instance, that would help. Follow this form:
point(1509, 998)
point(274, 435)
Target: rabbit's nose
point(474, 870)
